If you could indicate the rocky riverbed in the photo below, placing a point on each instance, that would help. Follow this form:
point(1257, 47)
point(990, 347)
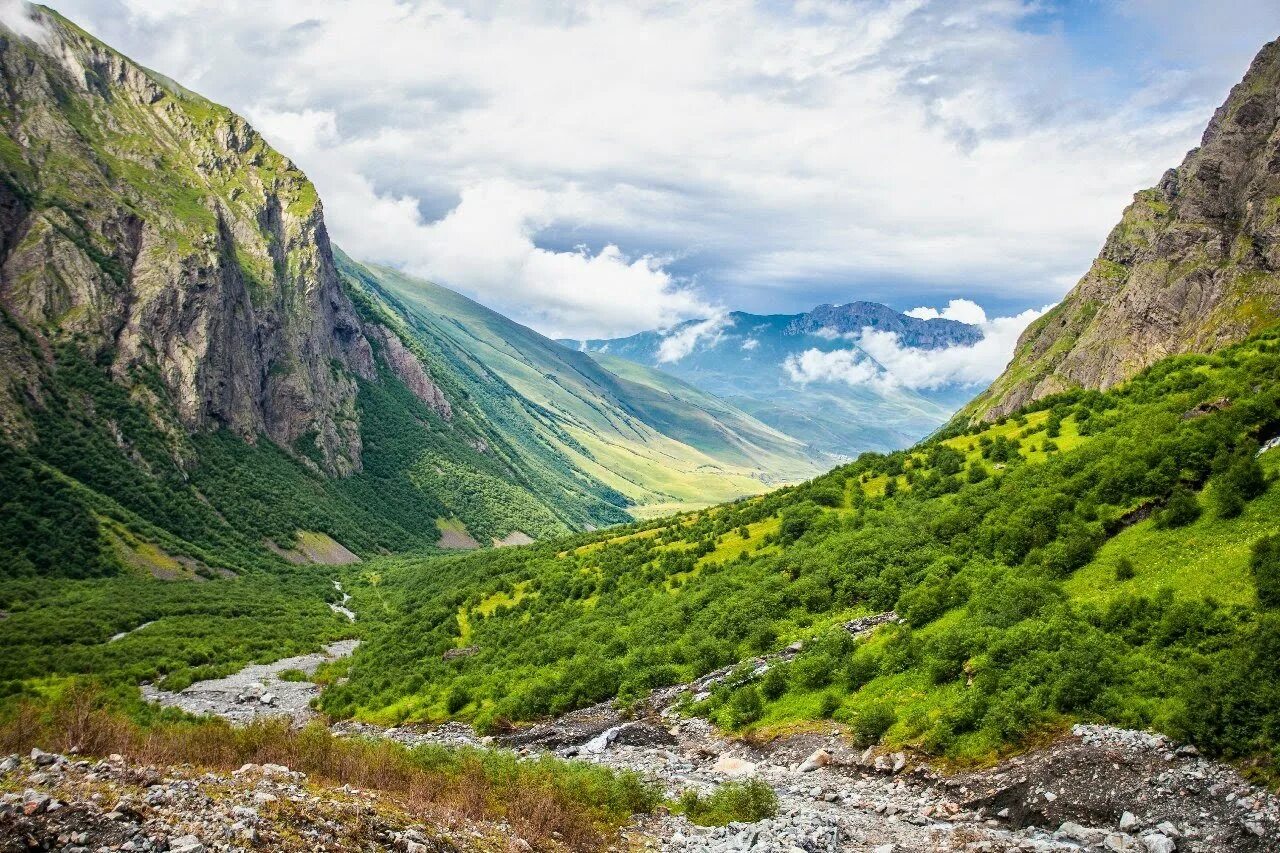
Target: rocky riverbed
point(1097, 788)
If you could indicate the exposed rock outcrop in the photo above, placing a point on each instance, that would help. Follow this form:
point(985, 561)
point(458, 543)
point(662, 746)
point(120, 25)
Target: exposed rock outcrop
point(1194, 264)
point(157, 233)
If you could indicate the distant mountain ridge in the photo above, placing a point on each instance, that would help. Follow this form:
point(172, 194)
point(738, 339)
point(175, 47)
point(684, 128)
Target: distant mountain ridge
point(1192, 266)
point(853, 317)
point(741, 359)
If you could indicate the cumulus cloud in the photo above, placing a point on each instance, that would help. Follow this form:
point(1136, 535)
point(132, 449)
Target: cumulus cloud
point(682, 341)
point(960, 310)
point(750, 344)
point(843, 365)
point(881, 359)
point(823, 146)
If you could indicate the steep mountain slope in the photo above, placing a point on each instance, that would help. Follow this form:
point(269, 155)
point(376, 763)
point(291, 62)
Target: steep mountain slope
point(190, 386)
point(1193, 265)
point(652, 438)
point(743, 362)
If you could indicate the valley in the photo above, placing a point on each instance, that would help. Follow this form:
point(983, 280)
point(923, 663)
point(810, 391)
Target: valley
point(302, 552)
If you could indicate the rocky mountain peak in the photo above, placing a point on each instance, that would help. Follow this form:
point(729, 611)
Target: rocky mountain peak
point(1193, 265)
point(157, 232)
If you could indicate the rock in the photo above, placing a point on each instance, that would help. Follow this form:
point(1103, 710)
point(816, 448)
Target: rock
point(1167, 828)
point(885, 848)
point(733, 767)
point(1156, 842)
point(10, 763)
point(1120, 842)
point(42, 758)
point(1128, 821)
point(899, 762)
point(1170, 258)
point(818, 758)
point(185, 844)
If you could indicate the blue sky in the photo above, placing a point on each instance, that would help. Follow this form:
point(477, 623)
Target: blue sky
point(594, 169)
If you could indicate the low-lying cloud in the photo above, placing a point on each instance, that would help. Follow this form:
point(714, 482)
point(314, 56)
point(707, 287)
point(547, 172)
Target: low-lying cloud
point(879, 358)
point(680, 342)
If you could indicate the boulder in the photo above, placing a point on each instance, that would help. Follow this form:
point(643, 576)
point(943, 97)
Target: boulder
point(733, 767)
point(819, 758)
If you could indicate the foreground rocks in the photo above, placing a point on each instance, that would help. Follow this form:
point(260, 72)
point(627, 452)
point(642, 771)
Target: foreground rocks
point(61, 803)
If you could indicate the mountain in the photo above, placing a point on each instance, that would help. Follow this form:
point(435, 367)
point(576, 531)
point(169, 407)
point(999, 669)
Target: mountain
point(742, 358)
point(1193, 265)
point(652, 438)
point(194, 380)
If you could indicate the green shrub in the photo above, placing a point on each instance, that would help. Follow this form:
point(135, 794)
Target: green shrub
point(1265, 564)
point(871, 721)
point(732, 802)
point(1182, 509)
point(1124, 569)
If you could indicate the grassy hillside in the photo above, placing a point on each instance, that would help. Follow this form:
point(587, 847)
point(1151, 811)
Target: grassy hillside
point(662, 444)
point(1094, 557)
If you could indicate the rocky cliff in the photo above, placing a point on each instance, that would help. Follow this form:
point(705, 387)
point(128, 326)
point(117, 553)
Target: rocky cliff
point(157, 234)
point(1193, 265)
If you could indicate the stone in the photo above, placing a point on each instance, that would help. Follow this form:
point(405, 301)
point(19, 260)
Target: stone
point(1128, 821)
point(733, 767)
point(1156, 842)
point(185, 844)
point(818, 758)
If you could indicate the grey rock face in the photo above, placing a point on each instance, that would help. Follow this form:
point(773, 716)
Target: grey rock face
point(157, 232)
point(1193, 265)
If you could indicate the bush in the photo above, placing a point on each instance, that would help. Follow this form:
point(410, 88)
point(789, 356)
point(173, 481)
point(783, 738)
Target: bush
point(871, 721)
point(292, 675)
point(1182, 509)
point(774, 683)
point(741, 802)
point(745, 707)
point(1124, 569)
point(1266, 570)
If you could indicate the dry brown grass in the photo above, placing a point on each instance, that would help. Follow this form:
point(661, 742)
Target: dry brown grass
point(579, 804)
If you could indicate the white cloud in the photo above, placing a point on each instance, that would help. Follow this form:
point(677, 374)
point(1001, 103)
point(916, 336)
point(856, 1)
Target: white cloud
point(818, 145)
point(17, 15)
point(842, 365)
point(682, 341)
point(960, 310)
point(750, 343)
point(880, 359)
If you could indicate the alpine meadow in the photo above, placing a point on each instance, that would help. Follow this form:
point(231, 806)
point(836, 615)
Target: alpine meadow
point(497, 528)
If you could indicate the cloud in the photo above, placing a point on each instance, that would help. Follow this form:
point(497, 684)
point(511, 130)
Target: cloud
point(20, 17)
point(960, 310)
point(901, 149)
point(682, 341)
point(750, 344)
point(880, 359)
point(842, 365)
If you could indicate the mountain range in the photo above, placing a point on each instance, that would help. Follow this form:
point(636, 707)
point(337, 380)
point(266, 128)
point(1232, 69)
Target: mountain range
point(171, 297)
point(743, 359)
point(225, 442)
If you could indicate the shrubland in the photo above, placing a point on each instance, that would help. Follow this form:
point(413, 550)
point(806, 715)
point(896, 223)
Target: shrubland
point(1093, 556)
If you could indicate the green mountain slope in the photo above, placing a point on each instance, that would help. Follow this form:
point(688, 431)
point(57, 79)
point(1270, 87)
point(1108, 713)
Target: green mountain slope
point(1192, 265)
point(1001, 546)
point(656, 440)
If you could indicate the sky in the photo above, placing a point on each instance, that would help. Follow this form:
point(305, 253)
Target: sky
point(596, 169)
